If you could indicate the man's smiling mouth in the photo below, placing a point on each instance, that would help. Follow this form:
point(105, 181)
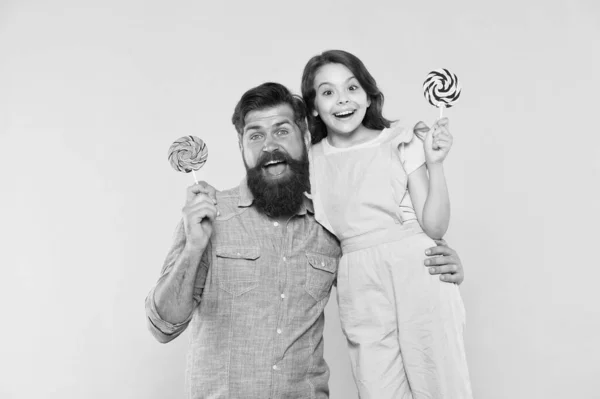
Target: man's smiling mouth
point(275, 167)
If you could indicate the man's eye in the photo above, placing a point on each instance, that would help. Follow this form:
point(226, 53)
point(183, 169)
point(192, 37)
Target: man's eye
point(255, 137)
point(282, 132)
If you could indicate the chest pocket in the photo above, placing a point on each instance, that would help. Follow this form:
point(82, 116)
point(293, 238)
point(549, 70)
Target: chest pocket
point(237, 269)
point(320, 273)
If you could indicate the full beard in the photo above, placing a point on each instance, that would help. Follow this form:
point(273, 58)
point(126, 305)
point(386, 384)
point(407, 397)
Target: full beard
point(281, 197)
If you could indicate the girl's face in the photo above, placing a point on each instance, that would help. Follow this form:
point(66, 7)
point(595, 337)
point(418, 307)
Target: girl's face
point(340, 101)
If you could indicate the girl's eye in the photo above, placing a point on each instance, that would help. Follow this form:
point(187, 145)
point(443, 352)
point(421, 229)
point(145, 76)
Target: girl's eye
point(354, 87)
point(327, 92)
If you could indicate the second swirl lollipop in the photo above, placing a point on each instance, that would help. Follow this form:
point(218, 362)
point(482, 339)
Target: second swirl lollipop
point(188, 154)
point(441, 89)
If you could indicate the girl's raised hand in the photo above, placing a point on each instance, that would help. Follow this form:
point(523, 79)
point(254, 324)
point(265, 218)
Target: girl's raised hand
point(437, 142)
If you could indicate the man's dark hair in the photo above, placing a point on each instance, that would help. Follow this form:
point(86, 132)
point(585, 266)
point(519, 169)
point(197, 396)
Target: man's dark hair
point(268, 95)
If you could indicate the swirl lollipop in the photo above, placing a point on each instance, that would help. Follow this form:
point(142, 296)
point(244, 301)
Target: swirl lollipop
point(188, 154)
point(441, 89)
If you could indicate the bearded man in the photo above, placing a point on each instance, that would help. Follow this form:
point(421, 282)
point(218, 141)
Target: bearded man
point(252, 280)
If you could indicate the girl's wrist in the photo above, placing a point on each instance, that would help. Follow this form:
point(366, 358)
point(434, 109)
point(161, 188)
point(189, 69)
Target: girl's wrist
point(435, 165)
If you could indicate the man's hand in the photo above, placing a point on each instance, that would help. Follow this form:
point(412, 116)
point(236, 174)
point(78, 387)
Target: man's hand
point(199, 214)
point(205, 188)
point(444, 261)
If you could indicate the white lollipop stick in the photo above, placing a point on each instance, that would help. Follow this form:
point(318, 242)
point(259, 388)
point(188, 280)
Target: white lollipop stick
point(195, 178)
point(441, 110)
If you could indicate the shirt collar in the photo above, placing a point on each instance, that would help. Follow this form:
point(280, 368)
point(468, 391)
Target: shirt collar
point(246, 199)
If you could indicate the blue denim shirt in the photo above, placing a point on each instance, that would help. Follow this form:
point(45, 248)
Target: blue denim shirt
point(261, 289)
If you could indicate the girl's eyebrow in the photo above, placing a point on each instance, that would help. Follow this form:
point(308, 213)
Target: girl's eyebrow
point(327, 83)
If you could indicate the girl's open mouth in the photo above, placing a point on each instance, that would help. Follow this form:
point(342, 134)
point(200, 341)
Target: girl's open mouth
point(344, 114)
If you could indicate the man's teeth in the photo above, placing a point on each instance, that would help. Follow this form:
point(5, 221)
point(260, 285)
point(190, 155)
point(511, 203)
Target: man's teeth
point(272, 163)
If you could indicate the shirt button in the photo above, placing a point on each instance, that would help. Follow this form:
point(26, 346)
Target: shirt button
point(279, 331)
point(282, 296)
point(275, 224)
point(274, 367)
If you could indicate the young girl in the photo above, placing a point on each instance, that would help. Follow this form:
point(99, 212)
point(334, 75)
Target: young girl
point(381, 190)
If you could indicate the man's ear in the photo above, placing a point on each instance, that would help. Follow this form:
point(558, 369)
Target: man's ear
point(307, 139)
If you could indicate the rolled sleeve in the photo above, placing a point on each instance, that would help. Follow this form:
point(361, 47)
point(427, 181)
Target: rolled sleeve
point(162, 330)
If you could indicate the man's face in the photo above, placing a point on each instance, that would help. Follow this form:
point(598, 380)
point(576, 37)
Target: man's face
point(276, 159)
point(269, 131)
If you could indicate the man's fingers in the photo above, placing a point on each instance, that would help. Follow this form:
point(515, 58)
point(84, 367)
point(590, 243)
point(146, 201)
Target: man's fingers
point(196, 195)
point(207, 213)
point(201, 189)
point(446, 269)
point(201, 210)
point(440, 260)
point(210, 190)
point(447, 273)
point(196, 201)
point(451, 278)
point(441, 249)
point(441, 241)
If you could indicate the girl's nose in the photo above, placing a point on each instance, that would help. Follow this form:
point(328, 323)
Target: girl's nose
point(342, 100)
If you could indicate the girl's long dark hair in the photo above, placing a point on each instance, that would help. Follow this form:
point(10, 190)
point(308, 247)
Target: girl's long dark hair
point(374, 116)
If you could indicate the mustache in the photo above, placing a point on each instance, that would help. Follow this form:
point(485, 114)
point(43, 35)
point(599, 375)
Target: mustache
point(276, 155)
point(283, 197)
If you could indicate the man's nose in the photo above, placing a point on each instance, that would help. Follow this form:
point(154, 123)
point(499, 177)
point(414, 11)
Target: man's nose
point(270, 144)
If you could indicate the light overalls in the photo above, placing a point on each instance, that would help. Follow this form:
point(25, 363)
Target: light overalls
point(404, 326)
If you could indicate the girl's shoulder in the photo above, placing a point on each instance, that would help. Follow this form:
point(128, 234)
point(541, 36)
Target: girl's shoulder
point(316, 149)
point(402, 132)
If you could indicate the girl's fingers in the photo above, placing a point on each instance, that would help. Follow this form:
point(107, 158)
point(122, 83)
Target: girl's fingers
point(443, 122)
point(444, 131)
point(444, 143)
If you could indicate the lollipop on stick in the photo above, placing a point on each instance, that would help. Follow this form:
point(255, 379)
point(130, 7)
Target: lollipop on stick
point(441, 89)
point(188, 154)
